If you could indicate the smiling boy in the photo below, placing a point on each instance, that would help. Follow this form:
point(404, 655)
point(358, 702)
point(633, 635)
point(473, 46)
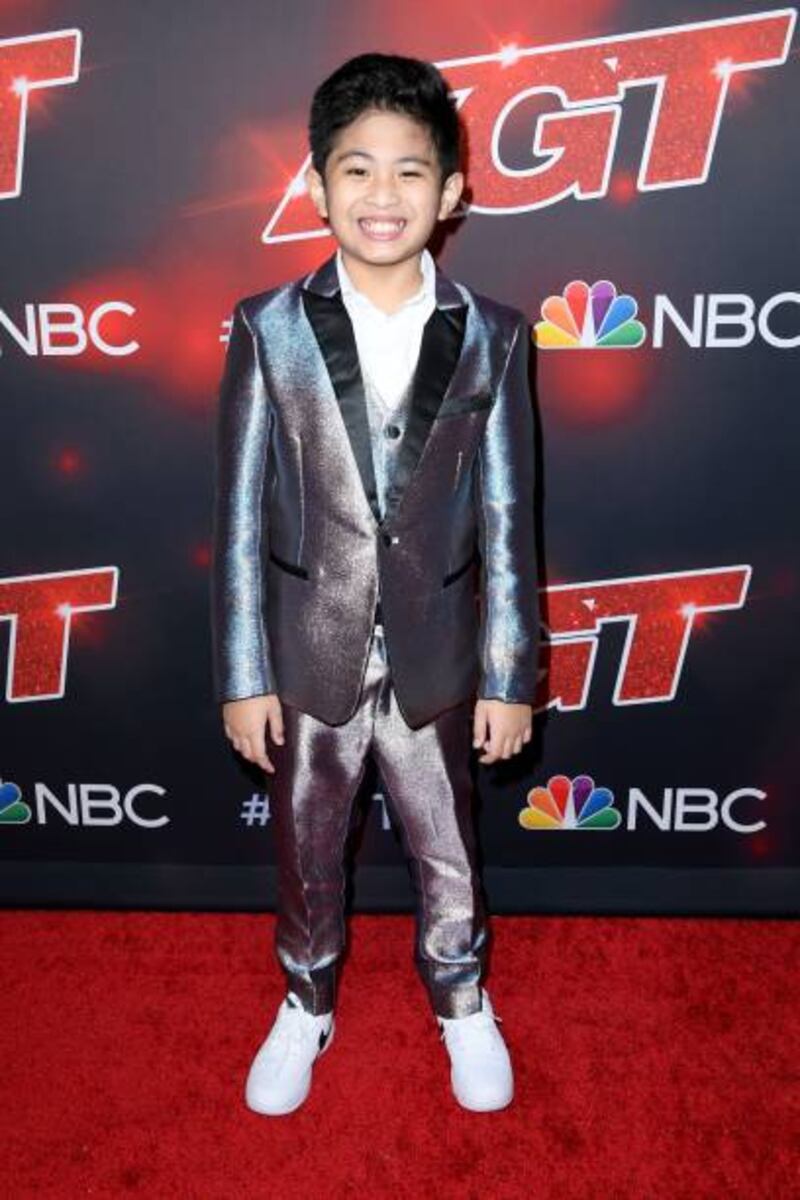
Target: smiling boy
point(375, 469)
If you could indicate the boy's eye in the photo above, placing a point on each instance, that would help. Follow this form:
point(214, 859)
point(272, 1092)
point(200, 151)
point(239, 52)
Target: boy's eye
point(361, 171)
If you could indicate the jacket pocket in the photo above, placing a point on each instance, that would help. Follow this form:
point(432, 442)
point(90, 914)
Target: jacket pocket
point(291, 568)
point(459, 571)
point(465, 404)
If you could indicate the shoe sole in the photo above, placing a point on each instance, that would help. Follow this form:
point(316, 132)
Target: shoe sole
point(484, 1107)
point(265, 1111)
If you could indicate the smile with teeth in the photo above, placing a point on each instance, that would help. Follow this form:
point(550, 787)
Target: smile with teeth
point(376, 227)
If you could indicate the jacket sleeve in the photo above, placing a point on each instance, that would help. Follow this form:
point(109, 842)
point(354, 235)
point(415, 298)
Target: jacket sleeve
point(242, 664)
point(509, 632)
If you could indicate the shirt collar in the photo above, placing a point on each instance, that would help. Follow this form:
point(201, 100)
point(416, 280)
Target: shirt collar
point(426, 292)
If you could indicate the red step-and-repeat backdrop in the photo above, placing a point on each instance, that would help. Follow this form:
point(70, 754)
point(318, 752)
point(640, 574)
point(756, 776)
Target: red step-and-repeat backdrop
point(632, 185)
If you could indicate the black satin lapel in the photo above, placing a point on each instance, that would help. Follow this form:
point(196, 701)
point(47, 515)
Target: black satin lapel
point(334, 333)
point(440, 348)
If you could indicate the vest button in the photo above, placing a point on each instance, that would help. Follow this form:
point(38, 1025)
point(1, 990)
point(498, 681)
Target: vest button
point(392, 431)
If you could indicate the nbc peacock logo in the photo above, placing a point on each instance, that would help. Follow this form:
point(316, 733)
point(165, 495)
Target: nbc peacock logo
point(13, 809)
point(589, 318)
point(570, 804)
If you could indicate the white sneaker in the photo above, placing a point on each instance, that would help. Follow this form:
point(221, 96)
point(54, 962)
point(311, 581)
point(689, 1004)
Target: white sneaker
point(280, 1075)
point(481, 1074)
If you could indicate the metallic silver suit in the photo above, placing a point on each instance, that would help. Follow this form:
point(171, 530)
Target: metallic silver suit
point(428, 789)
point(309, 553)
point(299, 545)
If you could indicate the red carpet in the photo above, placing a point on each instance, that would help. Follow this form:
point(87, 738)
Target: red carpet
point(654, 1058)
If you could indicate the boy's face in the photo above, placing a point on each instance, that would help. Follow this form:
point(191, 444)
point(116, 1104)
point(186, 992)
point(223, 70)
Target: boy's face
point(382, 194)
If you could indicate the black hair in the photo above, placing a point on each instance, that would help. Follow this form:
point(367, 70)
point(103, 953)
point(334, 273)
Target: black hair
point(393, 83)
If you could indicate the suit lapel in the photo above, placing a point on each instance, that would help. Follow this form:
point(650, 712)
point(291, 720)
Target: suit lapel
point(334, 333)
point(441, 353)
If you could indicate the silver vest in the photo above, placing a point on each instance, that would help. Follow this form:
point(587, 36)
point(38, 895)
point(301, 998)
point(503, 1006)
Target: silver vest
point(386, 426)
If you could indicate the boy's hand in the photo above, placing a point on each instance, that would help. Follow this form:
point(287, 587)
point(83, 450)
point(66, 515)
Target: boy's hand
point(501, 728)
point(245, 722)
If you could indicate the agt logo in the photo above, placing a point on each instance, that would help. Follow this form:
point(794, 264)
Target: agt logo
point(568, 100)
point(577, 804)
point(599, 317)
point(90, 805)
point(659, 613)
point(29, 65)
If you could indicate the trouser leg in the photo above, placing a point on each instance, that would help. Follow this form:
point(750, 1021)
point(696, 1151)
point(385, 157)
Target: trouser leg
point(430, 793)
point(318, 770)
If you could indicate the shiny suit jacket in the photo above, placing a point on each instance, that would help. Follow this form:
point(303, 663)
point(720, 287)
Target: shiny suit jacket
point(299, 547)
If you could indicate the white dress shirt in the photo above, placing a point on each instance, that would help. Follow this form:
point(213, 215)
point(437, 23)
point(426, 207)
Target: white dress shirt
point(388, 343)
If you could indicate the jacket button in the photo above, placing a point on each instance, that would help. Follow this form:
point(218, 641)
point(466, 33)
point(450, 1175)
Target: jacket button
point(392, 431)
point(387, 539)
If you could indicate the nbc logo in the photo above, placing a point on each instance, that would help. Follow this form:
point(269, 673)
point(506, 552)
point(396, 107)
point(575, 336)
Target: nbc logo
point(13, 809)
point(585, 317)
point(570, 804)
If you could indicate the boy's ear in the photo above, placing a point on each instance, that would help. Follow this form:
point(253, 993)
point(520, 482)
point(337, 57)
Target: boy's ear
point(316, 190)
point(452, 188)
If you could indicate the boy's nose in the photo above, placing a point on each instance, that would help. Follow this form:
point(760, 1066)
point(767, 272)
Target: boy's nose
point(385, 191)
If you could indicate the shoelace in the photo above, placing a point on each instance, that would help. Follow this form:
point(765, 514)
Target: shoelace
point(299, 1031)
point(475, 1036)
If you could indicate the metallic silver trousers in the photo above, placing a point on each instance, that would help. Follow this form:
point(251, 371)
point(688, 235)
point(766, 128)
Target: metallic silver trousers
point(429, 791)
